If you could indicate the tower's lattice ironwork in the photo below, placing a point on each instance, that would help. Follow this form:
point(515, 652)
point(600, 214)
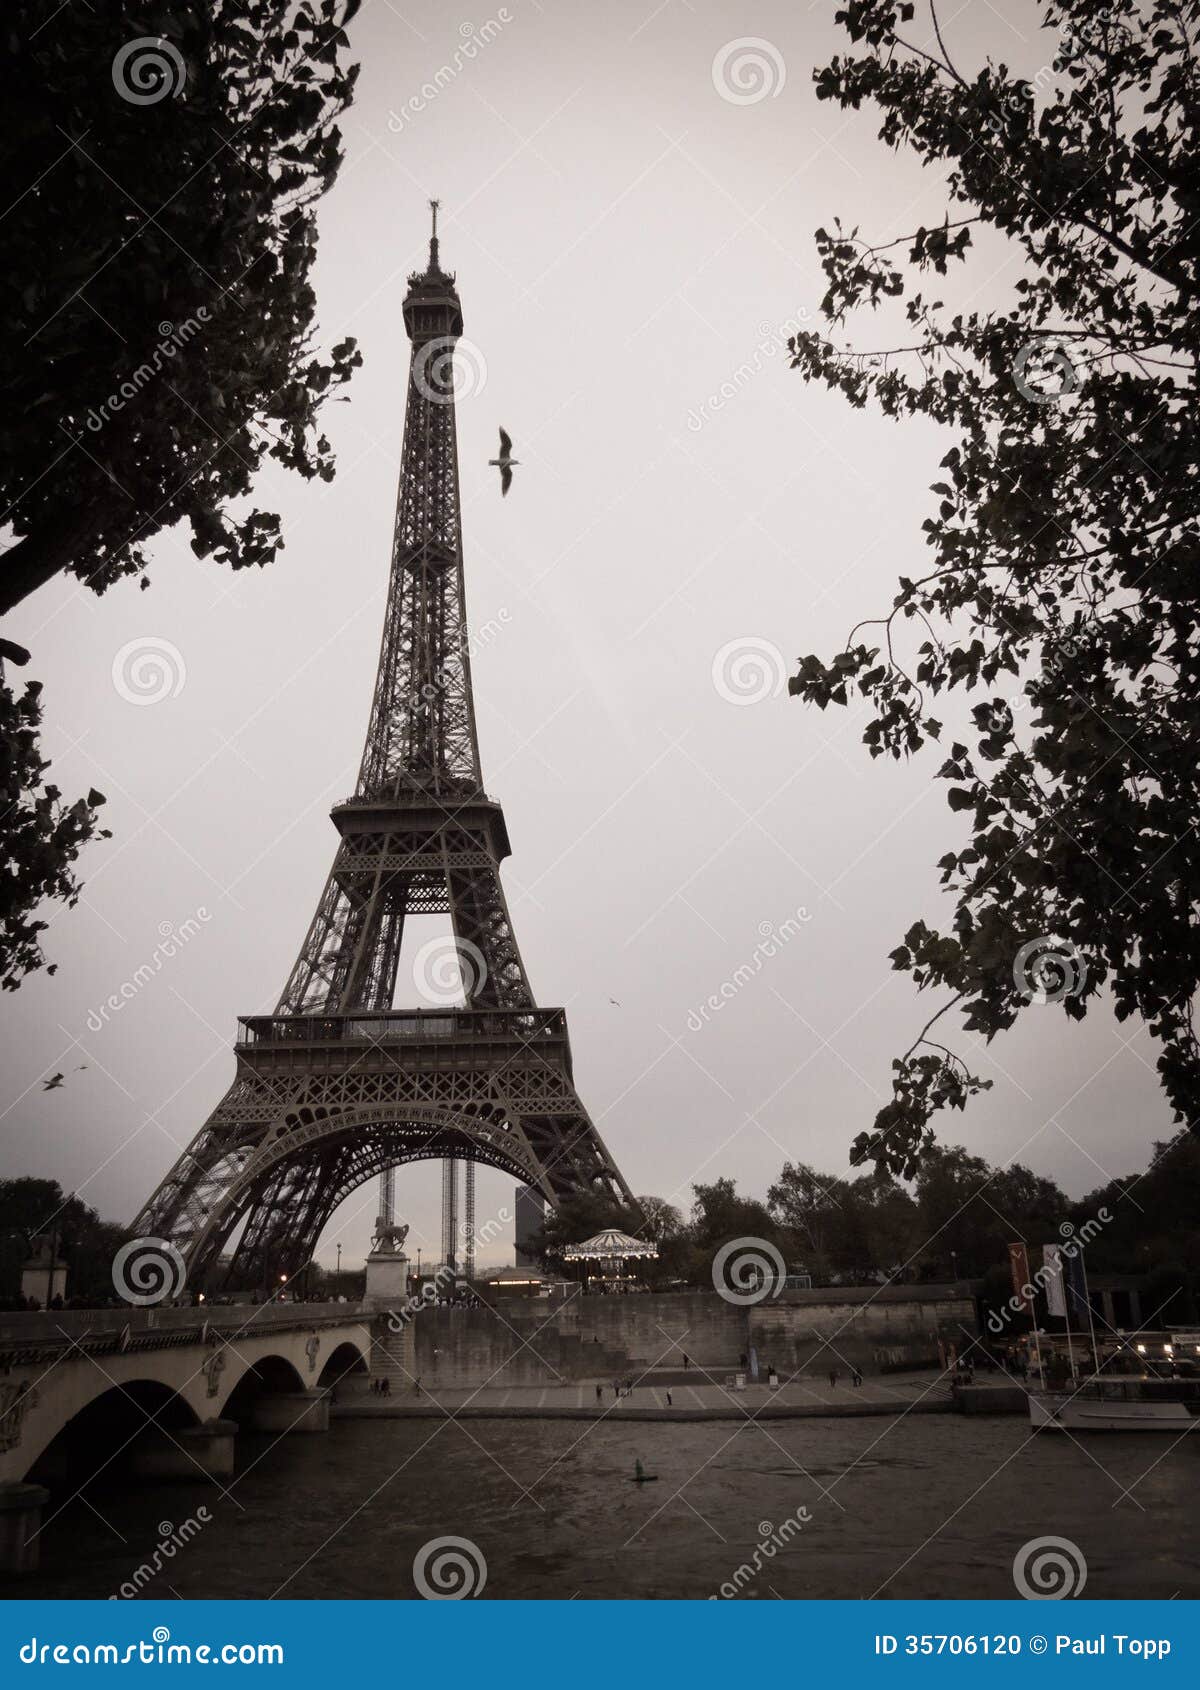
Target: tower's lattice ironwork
point(338, 1084)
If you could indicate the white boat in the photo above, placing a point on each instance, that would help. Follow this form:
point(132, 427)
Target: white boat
point(1134, 1403)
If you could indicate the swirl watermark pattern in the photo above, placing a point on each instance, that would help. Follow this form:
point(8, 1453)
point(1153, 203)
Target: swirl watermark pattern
point(445, 970)
point(747, 1270)
point(1043, 373)
point(441, 377)
point(447, 1569)
point(149, 669)
point(148, 1270)
point(1049, 969)
point(748, 670)
point(148, 70)
point(1049, 1569)
point(749, 70)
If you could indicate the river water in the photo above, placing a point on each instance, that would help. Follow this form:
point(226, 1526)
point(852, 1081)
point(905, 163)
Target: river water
point(919, 1507)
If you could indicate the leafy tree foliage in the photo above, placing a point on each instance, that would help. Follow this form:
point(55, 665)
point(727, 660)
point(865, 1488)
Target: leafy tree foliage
point(959, 1217)
point(1153, 1214)
point(29, 1207)
point(719, 1214)
point(42, 836)
point(814, 1210)
point(156, 301)
point(969, 1212)
point(1060, 594)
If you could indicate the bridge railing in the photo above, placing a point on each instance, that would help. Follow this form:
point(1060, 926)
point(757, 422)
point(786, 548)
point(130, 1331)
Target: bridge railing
point(49, 1327)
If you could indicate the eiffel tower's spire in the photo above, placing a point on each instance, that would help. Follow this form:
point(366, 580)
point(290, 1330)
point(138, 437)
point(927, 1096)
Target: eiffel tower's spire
point(433, 238)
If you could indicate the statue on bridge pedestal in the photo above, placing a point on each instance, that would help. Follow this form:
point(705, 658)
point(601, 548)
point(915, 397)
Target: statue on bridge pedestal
point(388, 1239)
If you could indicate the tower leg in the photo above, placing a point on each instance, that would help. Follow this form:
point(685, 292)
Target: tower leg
point(469, 1220)
point(387, 1197)
point(530, 1219)
point(450, 1213)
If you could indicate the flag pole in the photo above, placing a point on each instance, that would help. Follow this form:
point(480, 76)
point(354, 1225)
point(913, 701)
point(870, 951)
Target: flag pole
point(1087, 1295)
point(1067, 1316)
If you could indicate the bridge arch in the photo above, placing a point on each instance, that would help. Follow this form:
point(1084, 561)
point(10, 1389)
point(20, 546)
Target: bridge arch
point(346, 1359)
point(265, 1376)
point(105, 1430)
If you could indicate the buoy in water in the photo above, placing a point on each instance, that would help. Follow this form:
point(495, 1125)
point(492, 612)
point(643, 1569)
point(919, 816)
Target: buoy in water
point(641, 1477)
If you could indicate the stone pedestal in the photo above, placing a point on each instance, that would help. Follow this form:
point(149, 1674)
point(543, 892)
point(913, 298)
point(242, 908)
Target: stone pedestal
point(387, 1282)
point(196, 1452)
point(42, 1280)
point(20, 1516)
point(291, 1411)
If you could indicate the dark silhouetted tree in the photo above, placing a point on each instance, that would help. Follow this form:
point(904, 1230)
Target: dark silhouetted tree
point(1060, 592)
point(41, 835)
point(164, 166)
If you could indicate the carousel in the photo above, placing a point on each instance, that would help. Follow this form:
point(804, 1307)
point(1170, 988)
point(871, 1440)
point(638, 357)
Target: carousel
point(606, 1257)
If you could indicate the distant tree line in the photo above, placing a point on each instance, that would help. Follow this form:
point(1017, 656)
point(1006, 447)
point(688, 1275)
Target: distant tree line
point(955, 1219)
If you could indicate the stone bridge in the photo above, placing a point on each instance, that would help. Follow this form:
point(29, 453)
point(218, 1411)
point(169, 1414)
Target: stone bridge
point(164, 1391)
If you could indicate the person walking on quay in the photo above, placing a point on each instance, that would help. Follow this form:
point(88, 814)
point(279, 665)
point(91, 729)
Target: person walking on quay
point(856, 1379)
point(833, 1376)
point(686, 1361)
point(669, 1402)
point(416, 1387)
point(599, 1393)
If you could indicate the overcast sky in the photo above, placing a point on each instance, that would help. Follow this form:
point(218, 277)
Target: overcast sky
point(629, 241)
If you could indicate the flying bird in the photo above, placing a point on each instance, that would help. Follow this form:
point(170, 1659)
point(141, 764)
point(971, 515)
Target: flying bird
point(614, 1001)
point(504, 463)
point(52, 1083)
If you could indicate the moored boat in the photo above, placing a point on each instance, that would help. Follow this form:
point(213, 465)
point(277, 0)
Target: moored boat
point(1132, 1403)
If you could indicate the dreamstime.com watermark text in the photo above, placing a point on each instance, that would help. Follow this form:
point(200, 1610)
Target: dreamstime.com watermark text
point(171, 1540)
point(771, 942)
point(172, 939)
point(175, 337)
point(473, 41)
point(157, 1651)
point(771, 1540)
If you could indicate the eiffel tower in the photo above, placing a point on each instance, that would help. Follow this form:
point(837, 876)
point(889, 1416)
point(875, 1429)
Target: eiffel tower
point(339, 1086)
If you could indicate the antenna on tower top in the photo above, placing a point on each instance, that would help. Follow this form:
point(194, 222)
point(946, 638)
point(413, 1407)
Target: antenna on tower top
point(433, 239)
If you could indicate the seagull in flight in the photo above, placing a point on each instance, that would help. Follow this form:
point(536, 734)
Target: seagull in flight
point(504, 463)
point(53, 1083)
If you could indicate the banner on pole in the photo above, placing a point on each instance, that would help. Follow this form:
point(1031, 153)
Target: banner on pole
point(1018, 1261)
point(1076, 1281)
point(1052, 1267)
